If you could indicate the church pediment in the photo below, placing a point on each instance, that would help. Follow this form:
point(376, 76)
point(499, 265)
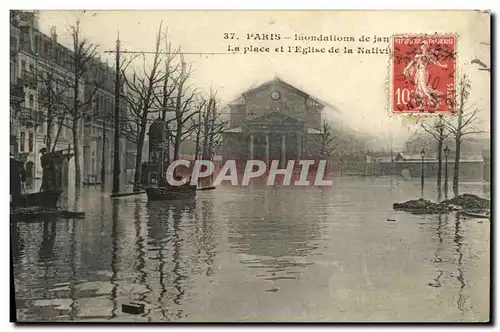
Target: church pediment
point(275, 118)
point(270, 86)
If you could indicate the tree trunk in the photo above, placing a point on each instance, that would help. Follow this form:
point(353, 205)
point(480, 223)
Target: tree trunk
point(177, 141)
point(76, 157)
point(179, 113)
point(205, 140)
point(75, 117)
point(59, 129)
point(211, 130)
point(456, 167)
point(138, 163)
point(48, 135)
point(140, 146)
point(198, 132)
point(458, 138)
point(440, 166)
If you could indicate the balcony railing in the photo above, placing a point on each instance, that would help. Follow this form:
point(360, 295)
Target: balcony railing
point(31, 117)
point(29, 79)
point(17, 93)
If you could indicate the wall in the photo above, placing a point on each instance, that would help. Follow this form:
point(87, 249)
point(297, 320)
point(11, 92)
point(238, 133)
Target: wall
point(468, 170)
point(291, 102)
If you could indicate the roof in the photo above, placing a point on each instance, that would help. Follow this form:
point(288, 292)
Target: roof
point(269, 117)
point(277, 80)
point(405, 156)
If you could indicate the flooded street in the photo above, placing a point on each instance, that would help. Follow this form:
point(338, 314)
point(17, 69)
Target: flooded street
point(257, 253)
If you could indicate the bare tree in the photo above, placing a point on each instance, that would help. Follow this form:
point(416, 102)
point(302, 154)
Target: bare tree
point(327, 141)
point(209, 128)
point(437, 129)
point(463, 125)
point(140, 96)
point(200, 104)
point(185, 109)
point(217, 125)
point(79, 105)
point(52, 97)
point(165, 98)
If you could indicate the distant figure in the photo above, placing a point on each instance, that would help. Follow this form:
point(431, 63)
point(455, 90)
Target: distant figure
point(48, 176)
point(17, 178)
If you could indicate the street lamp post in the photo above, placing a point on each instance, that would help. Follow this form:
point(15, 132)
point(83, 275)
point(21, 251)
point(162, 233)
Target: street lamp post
point(422, 154)
point(446, 154)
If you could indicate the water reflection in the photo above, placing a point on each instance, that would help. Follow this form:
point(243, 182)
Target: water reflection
point(177, 258)
point(206, 239)
point(457, 239)
point(114, 257)
point(448, 259)
point(141, 254)
point(166, 223)
point(17, 243)
point(438, 260)
point(216, 256)
point(47, 245)
point(74, 279)
point(276, 230)
point(158, 232)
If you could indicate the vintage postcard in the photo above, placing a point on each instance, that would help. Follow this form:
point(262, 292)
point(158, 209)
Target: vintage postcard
point(250, 166)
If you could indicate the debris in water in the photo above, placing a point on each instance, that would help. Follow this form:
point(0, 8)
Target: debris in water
point(469, 202)
point(422, 206)
point(133, 308)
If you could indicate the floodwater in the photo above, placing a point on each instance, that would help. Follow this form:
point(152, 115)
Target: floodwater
point(336, 254)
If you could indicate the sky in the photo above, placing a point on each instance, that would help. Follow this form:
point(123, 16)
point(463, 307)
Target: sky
point(356, 85)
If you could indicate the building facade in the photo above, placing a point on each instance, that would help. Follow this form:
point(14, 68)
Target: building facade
point(274, 121)
point(98, 142)
point(33, 54)
point(40, 69)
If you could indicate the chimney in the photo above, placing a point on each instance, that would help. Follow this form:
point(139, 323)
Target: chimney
point(53, 34)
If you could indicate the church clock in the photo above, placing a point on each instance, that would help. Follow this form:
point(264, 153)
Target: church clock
point(275, 95)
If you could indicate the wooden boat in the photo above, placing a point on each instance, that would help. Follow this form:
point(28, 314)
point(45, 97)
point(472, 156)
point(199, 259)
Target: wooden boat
point(47, 199)
point(140, 192)
point(170, 193)
point(207, 188)
point(485, 215)
point(39, 213)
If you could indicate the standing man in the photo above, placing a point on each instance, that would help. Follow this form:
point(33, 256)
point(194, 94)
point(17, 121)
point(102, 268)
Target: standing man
point(48, 176)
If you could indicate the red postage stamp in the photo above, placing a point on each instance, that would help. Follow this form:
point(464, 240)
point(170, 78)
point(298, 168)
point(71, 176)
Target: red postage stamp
point(423, 74)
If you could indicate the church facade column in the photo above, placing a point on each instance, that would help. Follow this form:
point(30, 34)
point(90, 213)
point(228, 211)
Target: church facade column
point(251, 146)
point(267, 148)
point(283, 150)
point(299, 146)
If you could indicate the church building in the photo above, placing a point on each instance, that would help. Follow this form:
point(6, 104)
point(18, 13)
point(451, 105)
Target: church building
point(274, 121)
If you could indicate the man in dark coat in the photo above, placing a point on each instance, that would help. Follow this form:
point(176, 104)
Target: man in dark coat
point(17, 177)
point(48, 171)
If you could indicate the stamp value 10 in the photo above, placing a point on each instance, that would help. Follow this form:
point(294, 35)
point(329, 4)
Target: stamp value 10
point(423, 74)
